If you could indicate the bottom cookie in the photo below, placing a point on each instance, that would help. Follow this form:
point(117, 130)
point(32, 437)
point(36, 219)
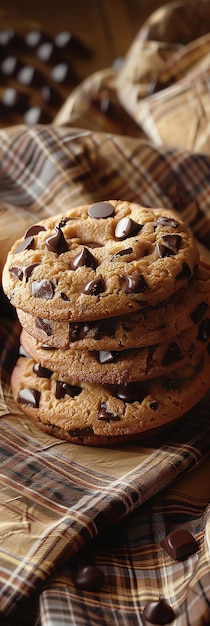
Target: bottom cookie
point(108, 415)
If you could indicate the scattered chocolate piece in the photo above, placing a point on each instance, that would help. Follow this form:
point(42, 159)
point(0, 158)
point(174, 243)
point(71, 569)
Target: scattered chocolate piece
point(28, 270)
point(26, 244)
point(44, 325)
point(95, 287)
point(62, 389)
point(180, 544)
point(170, 246)
point(122, 253)
point(89, 578)
point(57, 242)
point(101, 210)
point(84, 258)
point(43, 289)
point(159, 612)
point(130, 392)
point(64, 296)
point(34, 230)
point(82, 432)
point(199, 312)
point(78, 330)
point(17, 272)
point(133, 283)
point(42, 372)
point(126, 227)
point(105, 415)
point(31, 397)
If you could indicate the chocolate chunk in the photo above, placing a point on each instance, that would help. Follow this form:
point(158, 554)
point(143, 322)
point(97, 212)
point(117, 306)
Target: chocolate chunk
point(78, 330)
point(170, 246)
point(84, 258)
point(87, 431)
point(126, 227)
point(44, 325)
point(17, 272)
point(130, 392)
point(26, 244)
point(186, 272)
point(166, 221)
point(30, 397)
point(159, 612)
point(57, 242)
point(95, 287)
point(108, 356)
point(101, 210)
point(89, 578)
point(42, 372)
point(105, 415)
point(133, 283)
point(64, 296)
point(105, 328)
point(180, 544)
point(154, 406)
point(62, 389)
point(122, 253)
point(204, 330)
point(28, 270)
point(173, 354)
point(43, 289)
point(199, 312)
point(34, 230)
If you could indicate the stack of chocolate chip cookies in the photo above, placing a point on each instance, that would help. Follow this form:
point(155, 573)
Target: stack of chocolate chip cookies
point(114, 304)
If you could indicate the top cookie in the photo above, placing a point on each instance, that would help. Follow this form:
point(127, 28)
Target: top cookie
point(99, 260)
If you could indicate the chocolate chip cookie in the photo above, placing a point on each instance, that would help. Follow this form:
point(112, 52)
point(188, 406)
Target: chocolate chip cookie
point(99, 260)
point(146, 327)
point(88, 414)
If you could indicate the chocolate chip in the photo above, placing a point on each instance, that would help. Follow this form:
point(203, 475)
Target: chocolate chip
point(62, 389)
point(171, 384)
point(95, 287)
point(34, 230)
point(173, 354)
point(126, 227)
point(105, 328)
point(43, 325)
point(30, 397)
point(17, 272)
point(42, 372)
point(78, 330)
point(122, 253)
point(199, 312)
point(130, 392)
point(180, 544)
point(57, 242)
point(64, 296)
point(84, 258)
point(154, 406)
point(108, 356)
point(105, 415)
point(26, 244)
point(170, 246)
point(89, 578)
point(133, 283)
point(28, 270)
point(43, 289)
point(159, 612)
point(204, 330)
point(101, 210)
point(166, 221)
point(186, 272)
point(81, 432)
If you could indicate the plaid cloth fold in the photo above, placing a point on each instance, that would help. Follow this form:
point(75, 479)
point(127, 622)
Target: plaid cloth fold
point(62, 504)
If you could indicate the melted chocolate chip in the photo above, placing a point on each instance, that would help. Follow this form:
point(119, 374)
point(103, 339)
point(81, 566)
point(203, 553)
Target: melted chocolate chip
point(170, 246)
point(57, 242)
point(64, 296)
point(130, 392)
point(126, 227)
point(166, 221)
point(180, 544)
point(62, 389)
point(204, 330)
point(133, 283)
point(159, 612)
point(30, 397)
point(26, 244)
point(101, 210)
point(95, 287)
point(17, 272)
point(44, 325)
point(199, 312)
point(34, 230)
point(84, 258)
point(122, 253)
point(105, 328)
point(106, 415)
point(173, 354)
point(42, 372)
point(186, 272)
point(78, 330)
point(89, 578)
point(43, 289)
point(28, 270)
point(108, 356)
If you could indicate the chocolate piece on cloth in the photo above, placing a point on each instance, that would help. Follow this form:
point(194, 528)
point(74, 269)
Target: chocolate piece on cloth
point(62, 506)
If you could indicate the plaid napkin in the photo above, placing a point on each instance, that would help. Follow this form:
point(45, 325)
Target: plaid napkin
point(62, 504)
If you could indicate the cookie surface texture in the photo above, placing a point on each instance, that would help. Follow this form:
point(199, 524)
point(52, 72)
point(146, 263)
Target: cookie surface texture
point(99, 260)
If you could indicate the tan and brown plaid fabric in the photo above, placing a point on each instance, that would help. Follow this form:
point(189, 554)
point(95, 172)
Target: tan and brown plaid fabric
point(130, 134)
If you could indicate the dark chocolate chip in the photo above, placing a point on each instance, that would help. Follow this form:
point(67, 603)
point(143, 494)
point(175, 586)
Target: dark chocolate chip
point(133, 283)
point(154, 406)
point(126, 227)
point(42, 372)
point(105, 328)
point(89, 578)
point(43, 289)
point(26, 244)
point(95, 287)
point(57, 242)
point(130, 392)
point(28, 270)
point(30, 397)
point(171, 384)
point(199, 312)
point(122, 253)
point(180, 544)
point(159, 612)
point(64, 296)
point(43, 325)
point(186, 272)
point(101, 210)
point(170, 246)
point(204, 330)
point(106, 415)
point(166, 221)
point(108, 356)
point(17, 272)
point(87, 431)
point(34, 230)
point(84, 258)
point(78, 330)
point(173, 354)
point(62, 389)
